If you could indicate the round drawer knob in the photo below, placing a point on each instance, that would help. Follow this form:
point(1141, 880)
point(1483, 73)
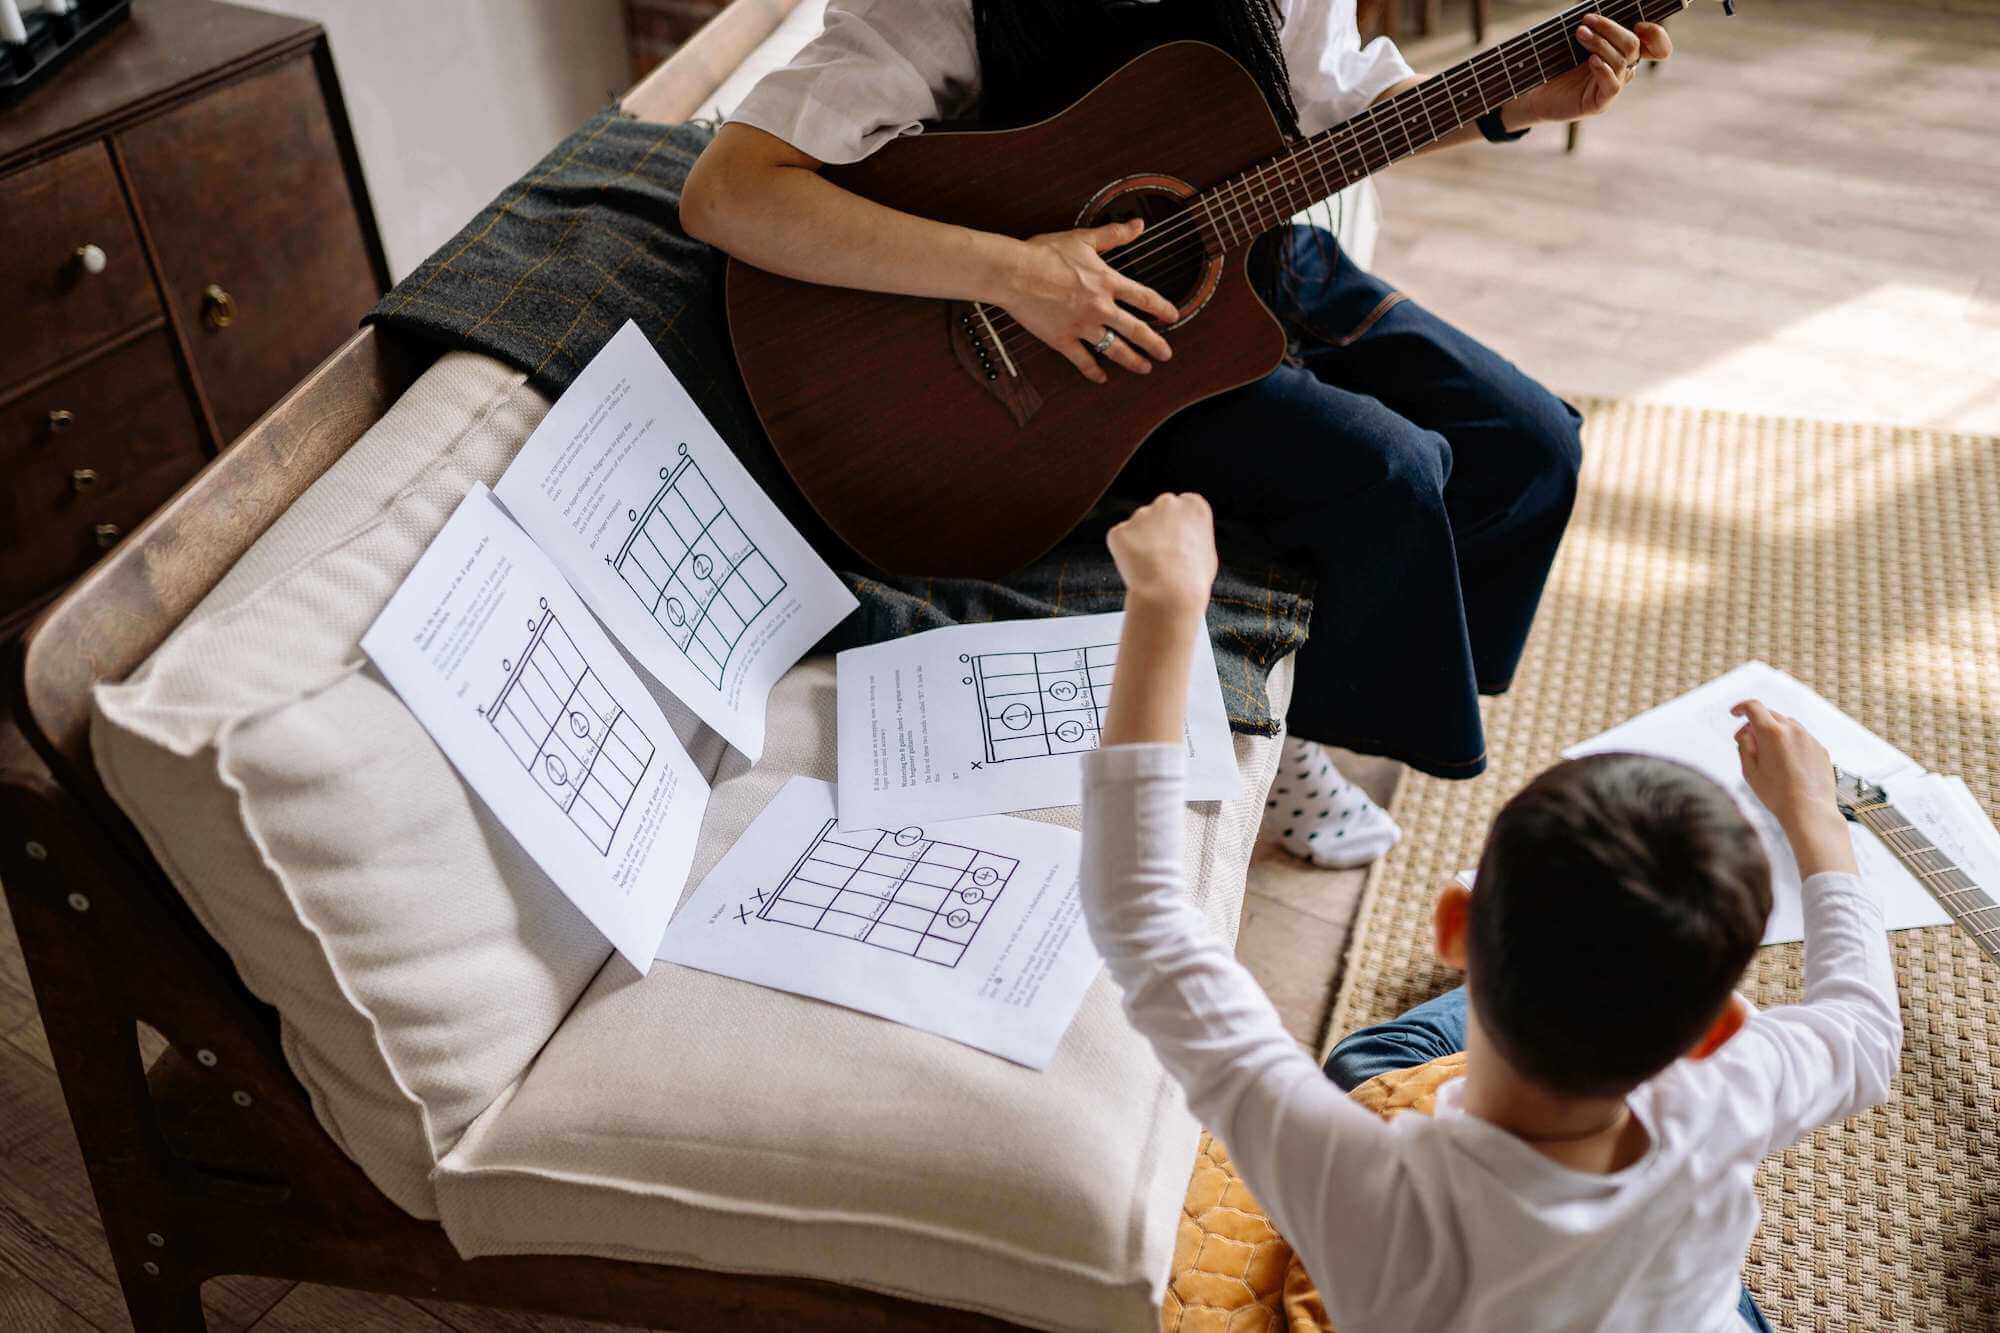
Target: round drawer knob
point(218, 308)
point(107, 534)
point(83, 478)
point(90, 259)
point(60, 420)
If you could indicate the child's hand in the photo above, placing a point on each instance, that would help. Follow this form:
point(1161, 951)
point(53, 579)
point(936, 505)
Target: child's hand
point(1165, 552)
point(1792, 775)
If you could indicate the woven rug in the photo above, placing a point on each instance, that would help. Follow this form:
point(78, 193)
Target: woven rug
point(1865, 561)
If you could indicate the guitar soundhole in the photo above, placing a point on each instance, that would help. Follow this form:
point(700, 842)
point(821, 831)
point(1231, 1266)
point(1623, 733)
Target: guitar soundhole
point(1169, 255)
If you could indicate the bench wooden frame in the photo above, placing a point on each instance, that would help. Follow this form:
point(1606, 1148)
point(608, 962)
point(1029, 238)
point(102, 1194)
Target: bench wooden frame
point(211, 1162)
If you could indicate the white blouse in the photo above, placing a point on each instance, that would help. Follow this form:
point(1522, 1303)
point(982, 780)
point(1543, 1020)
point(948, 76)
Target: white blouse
point(882, 68)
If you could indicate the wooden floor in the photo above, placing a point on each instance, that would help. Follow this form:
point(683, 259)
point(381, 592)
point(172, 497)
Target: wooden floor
point(1797, 215)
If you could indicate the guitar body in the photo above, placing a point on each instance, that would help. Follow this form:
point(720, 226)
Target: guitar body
point(928, 460)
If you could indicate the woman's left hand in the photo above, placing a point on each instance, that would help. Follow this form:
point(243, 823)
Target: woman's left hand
point(1615, 52)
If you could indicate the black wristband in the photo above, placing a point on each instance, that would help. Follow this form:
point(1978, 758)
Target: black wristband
point(1496, 130)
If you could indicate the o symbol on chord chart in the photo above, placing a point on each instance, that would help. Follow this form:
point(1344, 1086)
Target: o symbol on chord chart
point(958, 920)
point(908, 837)
point(580, 725)
point(703, 567)
point(1016, 716)
point(674, 612)
point(557, 773)
point(984, 876)
point(1063, 691)
point(1071, 730)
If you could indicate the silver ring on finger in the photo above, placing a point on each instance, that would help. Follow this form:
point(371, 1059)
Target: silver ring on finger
point(1103, 345)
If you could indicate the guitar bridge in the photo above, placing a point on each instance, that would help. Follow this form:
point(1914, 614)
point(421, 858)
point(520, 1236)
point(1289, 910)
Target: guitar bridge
point(983, 354)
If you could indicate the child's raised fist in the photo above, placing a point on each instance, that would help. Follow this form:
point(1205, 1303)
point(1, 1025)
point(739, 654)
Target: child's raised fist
point(1165, 552)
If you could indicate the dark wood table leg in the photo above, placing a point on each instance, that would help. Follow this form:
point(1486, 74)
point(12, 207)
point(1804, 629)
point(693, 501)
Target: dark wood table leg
point(1482, 11)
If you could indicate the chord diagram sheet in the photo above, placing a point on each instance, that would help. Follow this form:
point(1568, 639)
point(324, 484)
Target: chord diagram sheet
point(1697, 729)
point(670, 541)
point(972, 930)
point(542, 717)
point(988, 718)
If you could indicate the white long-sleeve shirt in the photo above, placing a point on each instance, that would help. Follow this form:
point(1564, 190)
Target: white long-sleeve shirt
point(881, 68)
point(1446, 1222)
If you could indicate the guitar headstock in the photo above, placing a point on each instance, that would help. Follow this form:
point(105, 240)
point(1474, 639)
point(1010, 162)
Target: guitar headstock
point(1855, 794)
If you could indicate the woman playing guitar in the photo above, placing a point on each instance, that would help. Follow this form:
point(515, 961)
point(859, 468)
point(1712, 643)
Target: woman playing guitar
point(1426, 479)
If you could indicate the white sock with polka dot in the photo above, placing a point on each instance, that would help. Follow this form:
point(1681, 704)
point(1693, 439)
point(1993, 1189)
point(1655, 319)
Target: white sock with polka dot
point(1320, 816)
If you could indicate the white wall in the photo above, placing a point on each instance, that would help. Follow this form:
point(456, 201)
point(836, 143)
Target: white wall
point(453, 99)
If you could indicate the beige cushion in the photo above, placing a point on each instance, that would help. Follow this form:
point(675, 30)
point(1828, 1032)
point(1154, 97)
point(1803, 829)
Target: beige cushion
point(417, 958)
point(694, 1119)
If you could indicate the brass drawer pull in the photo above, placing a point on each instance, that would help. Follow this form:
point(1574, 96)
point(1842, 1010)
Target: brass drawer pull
point(83, 478)
point(218, 308)
point(89, 259)
point(60, 420)
point(107, 535)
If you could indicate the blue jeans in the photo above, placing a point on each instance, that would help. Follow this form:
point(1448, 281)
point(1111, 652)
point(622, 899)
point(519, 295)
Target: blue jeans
point(1434, 1028)
point(1423, 479)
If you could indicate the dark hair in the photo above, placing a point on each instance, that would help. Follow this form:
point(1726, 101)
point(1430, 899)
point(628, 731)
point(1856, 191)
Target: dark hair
point(1619, 899)
point(1029, 50)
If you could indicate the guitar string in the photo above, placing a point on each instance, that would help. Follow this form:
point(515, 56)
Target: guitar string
point(1987, 936)
point(1549, 37)
point(1442, 93)
point(1910, 851)
point(1217, 202)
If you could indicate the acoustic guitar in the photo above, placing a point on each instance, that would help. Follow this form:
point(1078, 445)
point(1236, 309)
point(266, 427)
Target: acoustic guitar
point(940, 437)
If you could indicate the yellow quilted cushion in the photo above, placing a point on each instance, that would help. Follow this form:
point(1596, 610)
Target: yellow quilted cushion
point(1233, 1273)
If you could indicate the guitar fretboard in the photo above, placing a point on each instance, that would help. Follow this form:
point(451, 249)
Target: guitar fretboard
point(1971, 906)
point(1241, 209)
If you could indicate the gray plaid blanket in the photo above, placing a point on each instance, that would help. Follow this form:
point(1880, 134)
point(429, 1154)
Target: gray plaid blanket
point(591, 237)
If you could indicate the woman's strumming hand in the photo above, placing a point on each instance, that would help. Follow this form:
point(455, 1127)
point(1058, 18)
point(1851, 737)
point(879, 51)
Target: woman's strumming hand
point(1063, 292)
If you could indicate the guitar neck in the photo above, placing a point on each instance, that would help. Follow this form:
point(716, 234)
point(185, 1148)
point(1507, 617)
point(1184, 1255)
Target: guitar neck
point(1239, 210)
point(1962, 899)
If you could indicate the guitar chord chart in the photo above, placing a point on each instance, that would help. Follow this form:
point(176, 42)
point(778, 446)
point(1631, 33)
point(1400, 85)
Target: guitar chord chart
point(901, 891)
point(582, 748)
point(1032, 705)
point(700, 576)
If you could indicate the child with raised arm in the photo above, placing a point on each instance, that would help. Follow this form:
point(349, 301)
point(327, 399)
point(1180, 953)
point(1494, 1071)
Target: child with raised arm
point(1592, 1166)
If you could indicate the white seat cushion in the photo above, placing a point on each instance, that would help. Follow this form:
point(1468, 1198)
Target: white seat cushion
point(694, 1119)
point(417, 958)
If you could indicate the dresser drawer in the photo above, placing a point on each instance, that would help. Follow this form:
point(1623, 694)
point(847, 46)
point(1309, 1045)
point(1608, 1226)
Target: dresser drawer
point(86, 458)
point(262, 252)
point(56, 306)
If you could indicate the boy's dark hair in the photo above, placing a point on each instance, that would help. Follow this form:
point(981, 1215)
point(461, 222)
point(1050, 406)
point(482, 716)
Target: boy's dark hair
point(1619, 899)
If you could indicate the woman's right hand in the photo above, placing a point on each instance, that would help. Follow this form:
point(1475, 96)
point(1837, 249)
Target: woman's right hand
point(1064, 293)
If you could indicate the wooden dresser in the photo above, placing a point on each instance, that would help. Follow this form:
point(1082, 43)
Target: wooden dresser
point(186, 234)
